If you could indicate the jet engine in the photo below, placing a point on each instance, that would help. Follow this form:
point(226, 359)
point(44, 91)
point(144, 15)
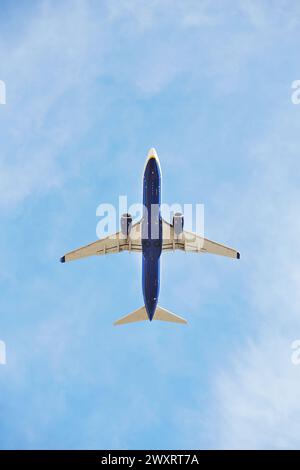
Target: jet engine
point(126, 224)
point(178, 220)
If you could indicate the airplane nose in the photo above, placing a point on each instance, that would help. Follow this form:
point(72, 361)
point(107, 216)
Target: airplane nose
point(152, 153)
point(152, 158)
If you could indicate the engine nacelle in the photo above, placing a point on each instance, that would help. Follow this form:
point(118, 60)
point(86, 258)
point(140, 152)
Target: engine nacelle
point(126, 224)
point(178, 220)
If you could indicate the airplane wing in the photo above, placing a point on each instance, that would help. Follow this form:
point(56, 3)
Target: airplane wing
point(115, 243)
point(193, 243)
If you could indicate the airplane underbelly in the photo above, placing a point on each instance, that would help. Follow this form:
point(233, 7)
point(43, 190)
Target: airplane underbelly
point(151, 236)
point(151, 277)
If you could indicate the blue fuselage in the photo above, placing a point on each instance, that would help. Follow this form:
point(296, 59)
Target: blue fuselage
point(151, 235)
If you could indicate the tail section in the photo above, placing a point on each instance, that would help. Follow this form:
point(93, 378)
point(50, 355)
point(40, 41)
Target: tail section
point(140, 314)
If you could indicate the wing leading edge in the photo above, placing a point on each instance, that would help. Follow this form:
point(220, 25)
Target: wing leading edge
point(193, 243)
point(115, 243)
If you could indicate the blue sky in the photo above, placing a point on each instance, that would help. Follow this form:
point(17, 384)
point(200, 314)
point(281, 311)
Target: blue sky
point(91, 86)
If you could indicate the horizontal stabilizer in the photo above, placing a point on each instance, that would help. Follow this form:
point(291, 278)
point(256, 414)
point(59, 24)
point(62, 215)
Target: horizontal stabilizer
point(141, 315)
point(138, 315)
point(164, 315)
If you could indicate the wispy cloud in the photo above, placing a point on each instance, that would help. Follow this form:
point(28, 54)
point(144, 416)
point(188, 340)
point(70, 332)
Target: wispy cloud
point(256, 393)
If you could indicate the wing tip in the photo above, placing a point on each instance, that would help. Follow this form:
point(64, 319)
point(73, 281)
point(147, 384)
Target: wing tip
point(238, 255)
point(63, 259)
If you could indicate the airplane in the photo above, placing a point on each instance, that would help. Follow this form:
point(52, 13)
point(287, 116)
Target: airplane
point(151, 236)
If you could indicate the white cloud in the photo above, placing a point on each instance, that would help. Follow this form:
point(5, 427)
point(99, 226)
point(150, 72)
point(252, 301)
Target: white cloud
point(55, 60)
point(284, 15)
point(258, 398)
point(257, 391)
point(42, 65)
